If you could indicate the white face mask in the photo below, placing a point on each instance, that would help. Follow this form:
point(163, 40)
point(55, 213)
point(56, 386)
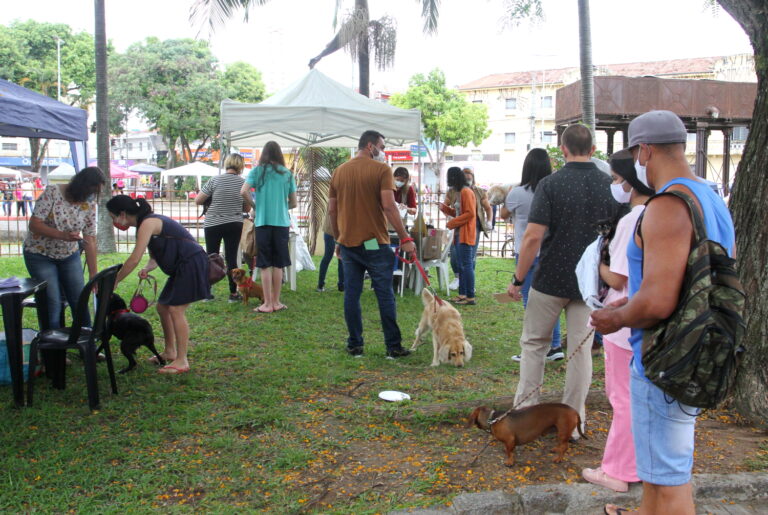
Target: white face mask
point(619, 195)
point(642, 173)
point(379, 156)
point(399, 184)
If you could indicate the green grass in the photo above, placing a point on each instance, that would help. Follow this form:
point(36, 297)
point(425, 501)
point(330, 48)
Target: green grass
point(269, 397)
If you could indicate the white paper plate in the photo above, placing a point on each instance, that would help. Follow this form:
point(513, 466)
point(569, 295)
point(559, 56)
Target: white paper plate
point(393, 396)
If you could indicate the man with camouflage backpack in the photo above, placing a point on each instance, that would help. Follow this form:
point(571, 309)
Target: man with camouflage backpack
point(662, 428)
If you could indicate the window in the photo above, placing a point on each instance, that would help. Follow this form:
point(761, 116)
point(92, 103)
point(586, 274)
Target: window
point(509, 138)
point(511, 103)
point(10, 146)
point(546, 101)
point(129, 146)
point(477, 101)
point(141, 146)
point(739, 134)
point(548, 137)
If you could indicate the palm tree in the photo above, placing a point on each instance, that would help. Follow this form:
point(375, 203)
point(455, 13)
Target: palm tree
point(357, 33)
point(585, 58)
point(105, 235)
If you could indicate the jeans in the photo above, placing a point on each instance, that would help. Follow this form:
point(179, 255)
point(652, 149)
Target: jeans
point(7, 207)
point(330, 247)
point(466, 257)
point(63, 276)
point(230, 233)
point(556, 344)
point(378, 264)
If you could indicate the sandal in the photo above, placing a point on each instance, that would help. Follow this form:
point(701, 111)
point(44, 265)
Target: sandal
point(465, 302)
point(457, 299)
point(617, 510)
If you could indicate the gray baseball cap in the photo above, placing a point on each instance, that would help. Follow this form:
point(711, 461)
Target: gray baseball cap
point(657, 127)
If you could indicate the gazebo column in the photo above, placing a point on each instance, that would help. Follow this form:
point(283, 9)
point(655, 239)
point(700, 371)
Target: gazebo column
point(625, 136)
point(727, 134)
point(610, 133)
point(702, 137)
point(560, 129)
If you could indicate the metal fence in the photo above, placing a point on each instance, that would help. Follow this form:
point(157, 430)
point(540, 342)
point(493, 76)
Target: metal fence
point(180, 205)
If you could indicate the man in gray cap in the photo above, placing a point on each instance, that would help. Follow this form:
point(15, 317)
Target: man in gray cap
point(663, 432)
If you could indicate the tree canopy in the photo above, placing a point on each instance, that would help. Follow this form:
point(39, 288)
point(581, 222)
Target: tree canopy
point(448, 118)
point(176, 86)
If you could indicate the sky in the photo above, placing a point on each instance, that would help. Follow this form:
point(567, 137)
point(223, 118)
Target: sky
point(472, 41)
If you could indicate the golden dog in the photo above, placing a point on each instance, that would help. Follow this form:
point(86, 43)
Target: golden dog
point(448, 342)
point(245, 285)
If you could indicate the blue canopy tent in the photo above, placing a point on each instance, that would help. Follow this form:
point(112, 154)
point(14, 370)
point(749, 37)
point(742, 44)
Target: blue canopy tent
point(26, 114)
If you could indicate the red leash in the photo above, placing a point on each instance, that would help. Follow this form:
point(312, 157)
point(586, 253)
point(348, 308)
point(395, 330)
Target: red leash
point(415, 261)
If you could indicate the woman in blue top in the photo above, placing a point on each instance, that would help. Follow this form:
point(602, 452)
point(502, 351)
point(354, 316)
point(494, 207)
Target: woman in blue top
point(274, 194)
point(179, 256)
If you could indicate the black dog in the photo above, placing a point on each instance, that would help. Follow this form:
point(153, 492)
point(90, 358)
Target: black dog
point(132, 331)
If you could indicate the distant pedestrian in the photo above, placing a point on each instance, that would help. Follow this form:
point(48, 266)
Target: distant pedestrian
point(463, 210)
point(361, 202)
point(274, 195)
point(28, 194)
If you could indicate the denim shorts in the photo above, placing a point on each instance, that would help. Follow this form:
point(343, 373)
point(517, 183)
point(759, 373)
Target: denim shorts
point(663, 431)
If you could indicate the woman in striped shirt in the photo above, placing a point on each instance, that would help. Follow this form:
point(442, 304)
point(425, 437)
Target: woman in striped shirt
point(224, 215)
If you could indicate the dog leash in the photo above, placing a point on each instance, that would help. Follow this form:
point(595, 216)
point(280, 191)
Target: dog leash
point(415, 261)
point(492, 421)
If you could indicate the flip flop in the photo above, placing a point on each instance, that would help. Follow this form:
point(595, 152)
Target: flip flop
point(618, 511)
point(154, 360)
point(172, 370)
point(259, 310)
point(282, 307)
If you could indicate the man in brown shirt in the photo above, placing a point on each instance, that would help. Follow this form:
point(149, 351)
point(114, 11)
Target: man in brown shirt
point(361, 201)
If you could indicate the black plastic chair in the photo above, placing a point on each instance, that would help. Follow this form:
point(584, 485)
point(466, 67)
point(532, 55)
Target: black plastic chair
point(54, 343)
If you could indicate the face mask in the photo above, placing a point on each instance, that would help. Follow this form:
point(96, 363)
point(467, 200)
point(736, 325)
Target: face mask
point(642, 173)
point(91, 197)
point(379, 156)
point(619, 195)
point(120, 226)
point(399, 184)
point(470, 182)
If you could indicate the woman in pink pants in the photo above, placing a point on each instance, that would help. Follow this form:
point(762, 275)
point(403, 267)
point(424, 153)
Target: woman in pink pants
point(618, 467)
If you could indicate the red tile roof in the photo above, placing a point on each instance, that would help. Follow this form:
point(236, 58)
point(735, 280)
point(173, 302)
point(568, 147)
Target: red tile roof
point(674, 67)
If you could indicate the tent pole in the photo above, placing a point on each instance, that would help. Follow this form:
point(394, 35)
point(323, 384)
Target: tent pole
point(421, 205)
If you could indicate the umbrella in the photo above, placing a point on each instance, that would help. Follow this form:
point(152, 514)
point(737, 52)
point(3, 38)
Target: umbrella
point(145, 168)
point(118, 172)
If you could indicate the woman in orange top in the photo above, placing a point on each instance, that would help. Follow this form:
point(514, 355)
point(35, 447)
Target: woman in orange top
point(464, 211)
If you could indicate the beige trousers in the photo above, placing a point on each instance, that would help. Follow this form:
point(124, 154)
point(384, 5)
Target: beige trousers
point(541, 314)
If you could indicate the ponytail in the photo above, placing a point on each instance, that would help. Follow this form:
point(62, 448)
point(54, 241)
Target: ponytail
point(135, 207)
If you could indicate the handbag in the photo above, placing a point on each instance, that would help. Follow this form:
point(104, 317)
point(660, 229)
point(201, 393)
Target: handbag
point(139, 303)
point(217, 270)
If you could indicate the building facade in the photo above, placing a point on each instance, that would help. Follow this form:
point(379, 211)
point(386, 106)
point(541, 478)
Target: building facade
point(521, 110)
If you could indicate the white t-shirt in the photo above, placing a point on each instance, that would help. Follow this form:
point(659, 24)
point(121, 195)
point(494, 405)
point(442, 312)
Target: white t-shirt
point(620, 265)
point(518, 203)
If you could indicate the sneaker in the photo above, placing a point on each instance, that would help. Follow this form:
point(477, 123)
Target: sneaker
point(355, 351)
point(235, 297)
point(209, 299)
point(555, 354)
point(320, 289)
point(516, 357)
point(398, 353)
point(598, 477)
point(454, 285)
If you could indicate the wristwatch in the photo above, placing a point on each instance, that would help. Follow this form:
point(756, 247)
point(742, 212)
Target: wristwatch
point(516, 281)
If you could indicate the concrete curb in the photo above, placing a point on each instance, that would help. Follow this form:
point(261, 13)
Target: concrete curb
point(714, 493)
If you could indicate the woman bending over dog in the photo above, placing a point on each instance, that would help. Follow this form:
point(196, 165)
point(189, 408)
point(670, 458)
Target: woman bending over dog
point(179, 256)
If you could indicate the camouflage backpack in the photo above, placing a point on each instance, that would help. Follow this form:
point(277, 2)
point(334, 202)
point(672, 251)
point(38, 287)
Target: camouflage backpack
point(693, 355)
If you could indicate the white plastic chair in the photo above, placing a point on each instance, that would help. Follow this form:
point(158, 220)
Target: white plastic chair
point(441, 264)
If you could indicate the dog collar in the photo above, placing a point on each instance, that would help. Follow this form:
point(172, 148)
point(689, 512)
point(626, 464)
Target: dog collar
point(119, 311)
point(248, 282)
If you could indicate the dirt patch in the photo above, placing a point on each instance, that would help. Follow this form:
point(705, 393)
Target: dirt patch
point(387, 458)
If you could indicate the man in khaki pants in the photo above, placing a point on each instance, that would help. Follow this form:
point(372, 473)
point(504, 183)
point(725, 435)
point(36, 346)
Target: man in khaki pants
point(561, 224)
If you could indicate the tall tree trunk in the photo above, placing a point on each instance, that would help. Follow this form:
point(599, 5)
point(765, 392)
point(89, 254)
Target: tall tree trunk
point(585, 58)
point(748, 201)
point(105, 233)
point(363, 57)
point(38, 147)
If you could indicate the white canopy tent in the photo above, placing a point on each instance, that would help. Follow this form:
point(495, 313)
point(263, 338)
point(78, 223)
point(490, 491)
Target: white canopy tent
point(196, 169)
point(62, 173)
point(316, 111)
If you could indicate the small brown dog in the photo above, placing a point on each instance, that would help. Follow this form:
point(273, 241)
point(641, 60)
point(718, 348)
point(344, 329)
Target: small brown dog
point(245, 285)
point(448, 342)
point(526, 424)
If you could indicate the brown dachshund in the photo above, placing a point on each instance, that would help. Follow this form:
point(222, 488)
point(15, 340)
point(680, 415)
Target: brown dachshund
point(526, 424)
point(245, 285)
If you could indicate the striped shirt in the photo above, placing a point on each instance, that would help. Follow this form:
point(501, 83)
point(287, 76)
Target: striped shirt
point(227, 204)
